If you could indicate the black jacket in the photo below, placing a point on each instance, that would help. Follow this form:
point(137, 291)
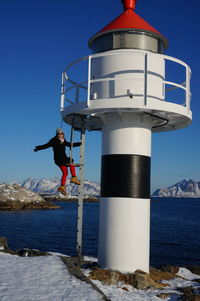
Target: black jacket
point(60, 157)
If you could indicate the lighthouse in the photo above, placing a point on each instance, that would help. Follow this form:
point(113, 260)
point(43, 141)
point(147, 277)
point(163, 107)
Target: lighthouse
point(127, 94)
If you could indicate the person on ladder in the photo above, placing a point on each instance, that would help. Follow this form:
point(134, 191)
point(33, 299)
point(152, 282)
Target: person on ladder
point(58, 143)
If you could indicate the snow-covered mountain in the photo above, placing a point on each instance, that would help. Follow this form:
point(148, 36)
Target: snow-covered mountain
point(49, 186)
point(41, 186)
point(182, 189)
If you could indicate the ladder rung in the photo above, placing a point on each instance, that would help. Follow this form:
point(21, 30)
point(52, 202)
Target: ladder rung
point(74, 164)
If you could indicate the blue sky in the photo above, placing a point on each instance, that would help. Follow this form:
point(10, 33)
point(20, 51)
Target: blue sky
point(38, 39)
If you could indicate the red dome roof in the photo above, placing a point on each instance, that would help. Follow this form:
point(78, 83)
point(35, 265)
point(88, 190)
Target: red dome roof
point(129, 20)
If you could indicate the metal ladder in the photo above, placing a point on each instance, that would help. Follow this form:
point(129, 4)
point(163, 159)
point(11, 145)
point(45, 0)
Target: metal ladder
point(81, 186)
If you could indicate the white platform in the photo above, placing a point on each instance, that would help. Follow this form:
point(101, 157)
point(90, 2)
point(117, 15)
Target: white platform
point(127, 81)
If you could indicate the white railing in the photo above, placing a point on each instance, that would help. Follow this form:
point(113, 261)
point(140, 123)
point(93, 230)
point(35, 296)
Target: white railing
point(185, 85)
point(81, 89)
point(68, 85)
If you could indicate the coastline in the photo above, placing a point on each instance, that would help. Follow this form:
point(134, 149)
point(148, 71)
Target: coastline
point(58, 198)
point(18, 205)
point(164, 282)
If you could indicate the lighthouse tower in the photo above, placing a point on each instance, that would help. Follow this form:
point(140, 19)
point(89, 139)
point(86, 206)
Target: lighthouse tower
point(127, 93)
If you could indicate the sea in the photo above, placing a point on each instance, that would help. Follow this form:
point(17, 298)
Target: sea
point(175, 230)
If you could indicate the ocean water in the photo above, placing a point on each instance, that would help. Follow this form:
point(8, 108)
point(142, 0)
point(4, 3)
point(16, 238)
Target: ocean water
point(175, 230)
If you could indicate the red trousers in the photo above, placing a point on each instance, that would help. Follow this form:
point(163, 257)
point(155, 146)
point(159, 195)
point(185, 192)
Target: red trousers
point(65, 173)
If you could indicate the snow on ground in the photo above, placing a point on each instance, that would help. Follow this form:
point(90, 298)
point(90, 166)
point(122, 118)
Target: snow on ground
point(123, 292)
point(46, 278)
point(43, 278)
point(185, 273)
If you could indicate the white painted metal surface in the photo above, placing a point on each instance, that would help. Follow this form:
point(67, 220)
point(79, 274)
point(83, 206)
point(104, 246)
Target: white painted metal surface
point(124, 234)
point(128, 80)
point(126, 134)
point(124, 222)
point(126, 94)
point(123, 70)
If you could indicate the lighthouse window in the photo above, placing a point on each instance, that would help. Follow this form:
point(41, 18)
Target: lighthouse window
point(127, 40)
point(103, 43)
point(134, 40)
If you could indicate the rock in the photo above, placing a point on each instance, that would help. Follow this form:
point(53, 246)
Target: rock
point(17, 205)
point(14, 192)
point(194, 269)
point(15, 197)
point(169, 268)
point(188, 294)
point(31, 253)
point(138, 279)
point(75, 270)
point(125, 289)
point(62, 198)
point(142, 280)
point(3, 243)
point(105, 276)
point(164, 295)
point(158, 275)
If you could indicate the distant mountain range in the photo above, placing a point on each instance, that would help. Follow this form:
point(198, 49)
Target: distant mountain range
point(49, 186)
point(182, 189)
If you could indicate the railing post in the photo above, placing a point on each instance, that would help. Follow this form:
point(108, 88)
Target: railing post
point(145, 77)
point(71, 140)
point(163, 80)
point(187, 85)
point(62, 101)
point(89, 83)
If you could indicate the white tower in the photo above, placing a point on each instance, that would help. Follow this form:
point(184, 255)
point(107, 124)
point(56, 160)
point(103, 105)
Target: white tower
point(130, 94)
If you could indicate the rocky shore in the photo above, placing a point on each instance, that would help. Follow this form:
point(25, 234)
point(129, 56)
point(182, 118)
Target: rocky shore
point(14, 197)
point(62, 198)
point(164, 282)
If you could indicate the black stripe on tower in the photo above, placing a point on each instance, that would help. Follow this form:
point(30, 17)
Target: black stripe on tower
point(125, 176)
